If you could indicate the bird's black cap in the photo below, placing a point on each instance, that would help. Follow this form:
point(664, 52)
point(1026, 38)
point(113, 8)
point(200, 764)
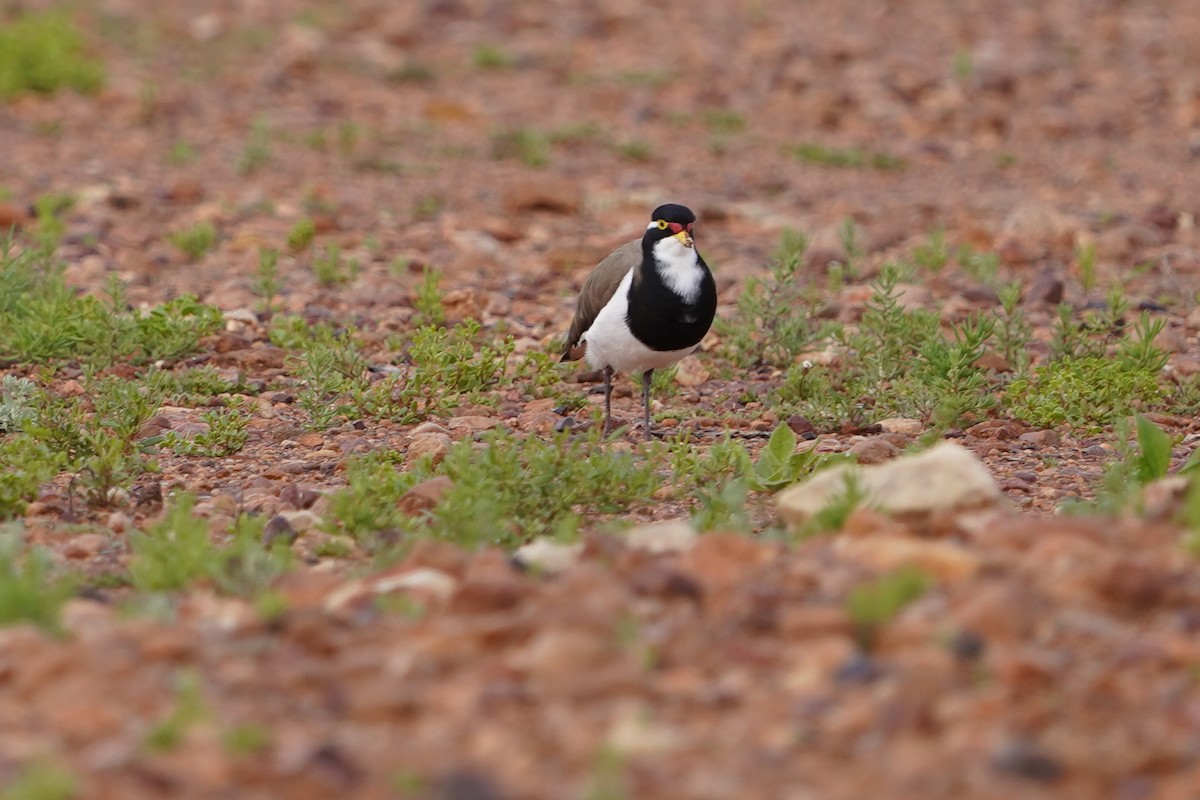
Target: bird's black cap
point(673, 212)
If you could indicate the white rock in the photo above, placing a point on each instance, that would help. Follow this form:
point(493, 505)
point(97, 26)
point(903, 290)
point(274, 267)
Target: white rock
point(434, 581)
point(944, 478)
point(548, 556)
point(674, 536)
point(908, 427)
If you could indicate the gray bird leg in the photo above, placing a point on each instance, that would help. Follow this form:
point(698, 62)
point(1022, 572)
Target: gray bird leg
point(608, 373)
point(646, 377)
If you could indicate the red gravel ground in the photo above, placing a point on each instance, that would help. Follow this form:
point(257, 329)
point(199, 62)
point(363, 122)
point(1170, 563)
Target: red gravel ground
point(1053, 656)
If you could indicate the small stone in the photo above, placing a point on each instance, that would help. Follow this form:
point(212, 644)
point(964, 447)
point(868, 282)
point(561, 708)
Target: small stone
point(1027, 760)
point(425, 496)
point(874, 450)
point(1039, 438)
point(559, 197)
point(421, 581)
point(948, 561)
point(691, 372)
point(312, 439)
point(1163, 498)
point(472, 423)
point(278, 529)
point(302, 521)
point(1046, 290)
point(908, 427)
point(490, 584)
point(720, 560)
point(547, 556)
point(433, 444)
point(298, 496)
point(12, 216)
point(118, 522)
point(538, 421)
point(428, 427)
point(85, 545)
point(675, 536)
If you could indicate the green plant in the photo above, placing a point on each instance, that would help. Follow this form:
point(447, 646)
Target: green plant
point(29, 591)
point(508, 492)
point(934, 254)
point(266, 280)
point(428, 299)
point(245, 565)
point(779, 465)
point(491, 56)
point(635, 149)
point(42, 780)
point(173, 552)
point(189, 708)
point(18, 397)
point(530, 147)
point(226, 434)
point(29, 462)
point(45, 52)
point(246, 739)
point(723, 507)
point(301, 235)
point(1087, 392)
point(767, 328)
point(832, 517)
point(872, 604)
point(983, 267)
point(852, 158)
point(331, 269)
point(724, 121)
point(257, 150)
point(1147, 458)
point(196, 240)
point(1085, 258)
point(1013, 333)
point(182, 153)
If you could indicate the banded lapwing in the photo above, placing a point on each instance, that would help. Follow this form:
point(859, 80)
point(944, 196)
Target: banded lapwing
point(645, 306)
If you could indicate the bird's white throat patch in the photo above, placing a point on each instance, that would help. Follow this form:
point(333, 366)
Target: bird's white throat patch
point(679, 267)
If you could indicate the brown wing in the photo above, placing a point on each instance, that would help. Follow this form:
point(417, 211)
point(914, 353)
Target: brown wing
point(597, 290)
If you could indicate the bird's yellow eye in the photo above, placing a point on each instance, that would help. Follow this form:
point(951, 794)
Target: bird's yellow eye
point(662, 224)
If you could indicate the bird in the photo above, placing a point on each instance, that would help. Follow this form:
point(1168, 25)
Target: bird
point(644, 307)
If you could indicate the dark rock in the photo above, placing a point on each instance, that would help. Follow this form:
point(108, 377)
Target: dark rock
point(298, 496)
point(1027, 760)
point(1046, 290)
point(278, 529)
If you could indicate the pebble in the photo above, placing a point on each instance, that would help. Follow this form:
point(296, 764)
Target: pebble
point(909, 427)
point(425, 495)
point(874, 450)
point(434, 444)
point(85, 545)
point(674, 536)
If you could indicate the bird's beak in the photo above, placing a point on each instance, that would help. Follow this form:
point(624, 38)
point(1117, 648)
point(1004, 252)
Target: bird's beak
point(685, 238)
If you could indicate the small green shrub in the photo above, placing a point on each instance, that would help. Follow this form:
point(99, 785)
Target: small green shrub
point(29, 591)
point(196, 240)
point(845, 158)
point(872, 604)
point(767, 328)
point(45, 52)
point(1087, 392)
point(301, 235)
point(530, 147)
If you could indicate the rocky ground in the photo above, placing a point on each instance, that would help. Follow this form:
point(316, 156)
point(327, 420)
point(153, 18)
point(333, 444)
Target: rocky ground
point(510, 146)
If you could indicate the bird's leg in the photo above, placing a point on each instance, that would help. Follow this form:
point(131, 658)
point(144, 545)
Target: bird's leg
point(646, 378)
point(608, 373)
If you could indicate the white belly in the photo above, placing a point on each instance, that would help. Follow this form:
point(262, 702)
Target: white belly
point(610, 342)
